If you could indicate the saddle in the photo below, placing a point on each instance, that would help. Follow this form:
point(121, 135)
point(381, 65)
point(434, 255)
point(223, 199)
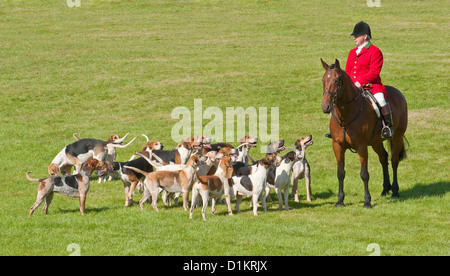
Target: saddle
point(376, 107)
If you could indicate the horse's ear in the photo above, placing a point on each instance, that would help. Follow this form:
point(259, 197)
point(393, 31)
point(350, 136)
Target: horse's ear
point(336, 63)
point(325, 66)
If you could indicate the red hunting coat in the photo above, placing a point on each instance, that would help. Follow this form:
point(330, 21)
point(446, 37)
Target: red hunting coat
point(366, 67)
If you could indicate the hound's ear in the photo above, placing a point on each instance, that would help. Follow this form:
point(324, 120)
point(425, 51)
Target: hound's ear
point(90, 163)
point(336, 63)
point(113, 137)
point(298, 144)
point(187, 145)
point(325, 66)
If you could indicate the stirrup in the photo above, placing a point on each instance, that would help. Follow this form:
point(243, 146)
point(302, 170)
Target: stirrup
point(386, 132)
point(328, 135)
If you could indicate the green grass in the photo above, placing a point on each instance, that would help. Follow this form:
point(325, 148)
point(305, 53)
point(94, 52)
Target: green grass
point(123, 66)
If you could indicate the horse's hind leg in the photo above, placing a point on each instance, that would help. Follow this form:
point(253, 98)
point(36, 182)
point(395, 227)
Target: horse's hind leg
point(397, 147)
point(363, 158)
point(383, 157)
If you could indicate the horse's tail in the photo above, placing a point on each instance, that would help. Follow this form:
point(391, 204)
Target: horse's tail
point(402, 155)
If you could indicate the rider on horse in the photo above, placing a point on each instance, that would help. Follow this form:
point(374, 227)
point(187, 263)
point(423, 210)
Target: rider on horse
point(363, 66)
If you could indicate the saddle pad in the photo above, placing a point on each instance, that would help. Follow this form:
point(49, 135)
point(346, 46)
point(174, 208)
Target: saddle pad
point(373, 101)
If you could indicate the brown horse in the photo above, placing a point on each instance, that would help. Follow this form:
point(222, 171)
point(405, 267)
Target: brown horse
point(353, 125)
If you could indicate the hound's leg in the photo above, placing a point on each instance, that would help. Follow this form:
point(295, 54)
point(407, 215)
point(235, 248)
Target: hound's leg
point(286, 195)
point(238, 201)
point(255, 204)
point(48, 200)
point(308, 182)
point(205, 199)
point(154, 192)
point(227, 192)
point(280, 200)
point(193, 199)
point(146, 196)
point(39, 200)
point(294, 182)
point(126, 188)
point(263, 200)
point(82, 203)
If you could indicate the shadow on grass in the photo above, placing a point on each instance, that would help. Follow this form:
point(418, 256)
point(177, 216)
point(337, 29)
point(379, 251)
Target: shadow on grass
point(421, 190)
point(86, 211)
point(302, 200)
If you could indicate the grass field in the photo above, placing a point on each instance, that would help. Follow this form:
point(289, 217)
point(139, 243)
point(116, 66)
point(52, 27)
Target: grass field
point(123, 66)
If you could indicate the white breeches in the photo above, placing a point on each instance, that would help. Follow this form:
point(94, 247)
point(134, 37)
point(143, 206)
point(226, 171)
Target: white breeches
point(380, 98)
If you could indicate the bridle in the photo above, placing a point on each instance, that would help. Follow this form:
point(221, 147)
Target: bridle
point(334, 96)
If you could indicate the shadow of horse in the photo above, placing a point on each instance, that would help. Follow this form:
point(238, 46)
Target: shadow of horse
point(421, 190)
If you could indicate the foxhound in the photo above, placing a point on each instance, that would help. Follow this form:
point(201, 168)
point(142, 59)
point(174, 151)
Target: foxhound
point(77, 153)
point(70, 185)
point(171, 181)
point(254, 184)
point(149, 146)
point(278, 178)
point(301, 169)
point(214, 186)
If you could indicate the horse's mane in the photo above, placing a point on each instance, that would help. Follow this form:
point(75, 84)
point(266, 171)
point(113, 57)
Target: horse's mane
point(342, 72)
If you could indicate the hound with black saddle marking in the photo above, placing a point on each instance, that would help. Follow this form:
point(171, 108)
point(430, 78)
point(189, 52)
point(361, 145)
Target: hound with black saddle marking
point(77, 153)
point(254, 184)
point(70, 185)
point(131, 178)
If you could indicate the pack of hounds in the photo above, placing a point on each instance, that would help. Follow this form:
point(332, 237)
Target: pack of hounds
point(209, 170)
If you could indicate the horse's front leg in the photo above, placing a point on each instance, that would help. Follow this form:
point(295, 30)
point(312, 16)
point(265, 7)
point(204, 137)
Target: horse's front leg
point(339, 152)
point(363, 158)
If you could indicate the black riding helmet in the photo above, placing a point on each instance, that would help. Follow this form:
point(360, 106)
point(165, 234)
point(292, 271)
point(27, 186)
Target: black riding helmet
point(361, 28)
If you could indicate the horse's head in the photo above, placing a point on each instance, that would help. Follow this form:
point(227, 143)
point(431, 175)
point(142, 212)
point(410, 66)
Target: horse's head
point(332, 84)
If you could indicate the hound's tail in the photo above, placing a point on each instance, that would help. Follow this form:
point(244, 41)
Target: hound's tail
point(33, 179)
point(199, 179)
point(136, 170)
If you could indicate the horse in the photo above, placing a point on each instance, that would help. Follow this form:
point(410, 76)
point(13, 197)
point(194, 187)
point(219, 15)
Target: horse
point(355, 125)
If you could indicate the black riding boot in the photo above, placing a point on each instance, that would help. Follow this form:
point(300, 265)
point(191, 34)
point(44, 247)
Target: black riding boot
point(388, 129)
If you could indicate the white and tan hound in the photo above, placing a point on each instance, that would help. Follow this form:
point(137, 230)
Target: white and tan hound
point(214, 186)
point(278, 178)
point(301, 169)
point(171, 181)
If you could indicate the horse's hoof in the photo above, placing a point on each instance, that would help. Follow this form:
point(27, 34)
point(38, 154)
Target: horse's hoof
point(385, 193)
point(367, 205)
point(339, 204)
point(395, 195)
